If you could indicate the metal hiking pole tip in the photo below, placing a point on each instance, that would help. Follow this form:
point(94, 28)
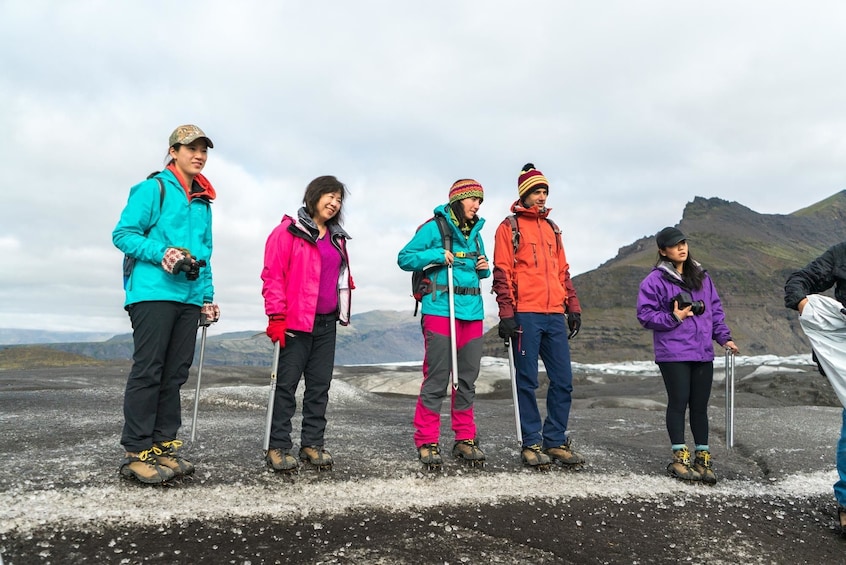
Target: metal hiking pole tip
point(513, 374)
point(273, 370)
point(729, 399)
point(199, 377)
point(453, 343)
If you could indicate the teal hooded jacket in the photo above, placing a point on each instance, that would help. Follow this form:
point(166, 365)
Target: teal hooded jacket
point(427, 248)
point(150, 224)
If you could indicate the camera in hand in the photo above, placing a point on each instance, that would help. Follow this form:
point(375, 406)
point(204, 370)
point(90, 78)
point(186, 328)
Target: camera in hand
point(192, 269)
point(684, 300)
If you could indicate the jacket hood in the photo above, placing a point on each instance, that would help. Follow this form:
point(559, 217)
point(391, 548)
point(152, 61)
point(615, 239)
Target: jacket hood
point(304, 222)
point(202, 187)
point(534, 211)
point(445, 210)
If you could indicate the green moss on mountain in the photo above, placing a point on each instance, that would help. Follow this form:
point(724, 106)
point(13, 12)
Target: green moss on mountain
point(748, 255)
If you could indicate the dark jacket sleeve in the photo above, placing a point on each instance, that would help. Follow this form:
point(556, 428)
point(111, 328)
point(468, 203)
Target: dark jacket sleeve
point(817, 276)
point(573, 304)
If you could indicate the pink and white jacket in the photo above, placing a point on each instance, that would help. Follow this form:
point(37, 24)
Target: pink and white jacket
point(291, 274)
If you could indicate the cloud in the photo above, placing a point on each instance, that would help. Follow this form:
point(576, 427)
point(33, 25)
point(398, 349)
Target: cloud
point(631, 110)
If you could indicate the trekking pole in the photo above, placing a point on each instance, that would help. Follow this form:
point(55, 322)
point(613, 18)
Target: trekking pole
point(452, 339)
point(273, 370)
point(513, 373)
point(729, 399)
point(205, 325)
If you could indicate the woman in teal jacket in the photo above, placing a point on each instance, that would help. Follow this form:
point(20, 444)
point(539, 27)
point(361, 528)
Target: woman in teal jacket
point(165, 233)
point(469, 264)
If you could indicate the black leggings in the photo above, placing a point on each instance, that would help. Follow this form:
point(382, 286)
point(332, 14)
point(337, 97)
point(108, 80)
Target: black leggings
point(688, 384)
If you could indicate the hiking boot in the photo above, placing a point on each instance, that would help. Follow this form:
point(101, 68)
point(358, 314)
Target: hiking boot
point(680, 467)
point(430, 455)
point(281, 460)
point(145, 468)
point(167, 456)
point(317, 456)
point(533, 456)
point(469, 451)
point(565, 455)
point(702, 465)
point(841, 520)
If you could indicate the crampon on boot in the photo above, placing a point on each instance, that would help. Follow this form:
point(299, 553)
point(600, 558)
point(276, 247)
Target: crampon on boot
point(317, 457)
point(534, 457)
point(565, 456)
point(680, 467)
point(430, 455)
point(468, 451)
point(702, 465)
point(167, 456)
point(143, 467)
point(281, 461)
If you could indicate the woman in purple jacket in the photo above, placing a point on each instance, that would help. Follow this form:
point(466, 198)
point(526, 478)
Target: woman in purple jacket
point(679, 303)
point(307, 285)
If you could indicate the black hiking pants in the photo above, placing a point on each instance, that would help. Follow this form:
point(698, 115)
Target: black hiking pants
point(311, 356)
point(164, 334)
point(688, 385)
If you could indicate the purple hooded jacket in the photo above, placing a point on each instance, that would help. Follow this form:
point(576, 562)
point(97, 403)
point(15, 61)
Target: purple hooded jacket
point(691, 339)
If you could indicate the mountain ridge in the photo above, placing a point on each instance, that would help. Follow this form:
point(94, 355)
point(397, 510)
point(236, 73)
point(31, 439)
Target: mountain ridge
point(748, 255)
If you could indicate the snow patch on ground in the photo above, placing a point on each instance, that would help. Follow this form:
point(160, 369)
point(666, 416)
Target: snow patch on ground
point(27, 510)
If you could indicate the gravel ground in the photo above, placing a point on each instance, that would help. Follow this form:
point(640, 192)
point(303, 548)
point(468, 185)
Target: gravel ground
point(61, 500)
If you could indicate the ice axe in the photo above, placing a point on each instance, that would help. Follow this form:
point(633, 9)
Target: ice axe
point(729, 399)
point(452, 338)
point(273, 370)
point(513, 373)
point(205, 325)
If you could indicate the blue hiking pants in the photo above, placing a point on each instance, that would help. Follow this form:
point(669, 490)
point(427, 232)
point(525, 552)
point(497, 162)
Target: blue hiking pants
point(544, 335)
point(840, 485)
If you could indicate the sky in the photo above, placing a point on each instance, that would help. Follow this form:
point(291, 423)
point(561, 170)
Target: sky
point(630, 109)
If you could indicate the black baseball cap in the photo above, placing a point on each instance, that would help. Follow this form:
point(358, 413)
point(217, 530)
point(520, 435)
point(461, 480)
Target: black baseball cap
point(669, 237)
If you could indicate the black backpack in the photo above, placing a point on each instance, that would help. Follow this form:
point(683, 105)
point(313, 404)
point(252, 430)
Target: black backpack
point(129, 262)
point(421, 284)
point(515, 233)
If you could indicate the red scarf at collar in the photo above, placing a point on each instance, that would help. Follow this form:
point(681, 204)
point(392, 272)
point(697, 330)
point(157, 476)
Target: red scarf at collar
point(207, 190)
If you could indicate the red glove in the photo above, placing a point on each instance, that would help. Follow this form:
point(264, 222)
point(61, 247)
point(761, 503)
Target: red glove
point(276, 329)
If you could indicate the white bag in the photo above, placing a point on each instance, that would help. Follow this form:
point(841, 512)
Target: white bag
point(825, 325)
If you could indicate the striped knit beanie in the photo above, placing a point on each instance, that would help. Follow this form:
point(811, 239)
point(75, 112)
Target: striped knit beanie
point(530, 179)
point(465, 188)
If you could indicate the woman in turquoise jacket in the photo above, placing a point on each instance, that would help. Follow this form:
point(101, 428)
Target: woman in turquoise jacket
point(165, 233)
point(469, 264)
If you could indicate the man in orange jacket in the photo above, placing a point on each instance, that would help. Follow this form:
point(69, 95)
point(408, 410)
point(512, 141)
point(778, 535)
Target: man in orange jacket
point(539, 312)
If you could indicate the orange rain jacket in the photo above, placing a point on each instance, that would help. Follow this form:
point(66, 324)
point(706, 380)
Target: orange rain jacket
point(537, 277)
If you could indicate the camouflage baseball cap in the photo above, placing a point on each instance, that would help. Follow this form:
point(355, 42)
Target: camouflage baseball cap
point(186, 134)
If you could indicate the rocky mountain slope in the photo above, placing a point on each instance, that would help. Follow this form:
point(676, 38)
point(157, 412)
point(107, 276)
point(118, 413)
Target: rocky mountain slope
point(748, 254)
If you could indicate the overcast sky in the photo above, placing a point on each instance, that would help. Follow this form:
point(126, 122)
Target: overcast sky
point(631, 109)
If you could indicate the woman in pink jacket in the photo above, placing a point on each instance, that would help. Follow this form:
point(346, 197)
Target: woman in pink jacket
point(306, 290)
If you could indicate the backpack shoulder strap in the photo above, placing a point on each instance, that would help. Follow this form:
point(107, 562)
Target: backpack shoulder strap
point(515, 231)
point(153, 175)
point(446, 232)
point(557, 232)
point(161, 199)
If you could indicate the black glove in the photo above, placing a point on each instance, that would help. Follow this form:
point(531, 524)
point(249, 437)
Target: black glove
point(574, 322)
point(507, 328)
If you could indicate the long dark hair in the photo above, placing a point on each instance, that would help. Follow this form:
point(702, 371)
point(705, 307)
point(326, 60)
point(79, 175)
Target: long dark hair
point(464, 224)
point(692, 273)
point(317, 188)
